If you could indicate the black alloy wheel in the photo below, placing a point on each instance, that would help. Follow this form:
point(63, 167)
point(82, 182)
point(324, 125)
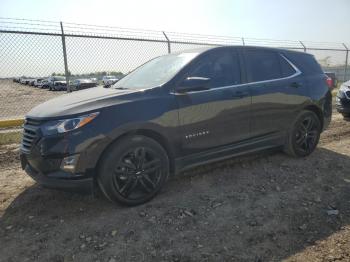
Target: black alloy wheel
point(137, 173)
point(304, 135)
point(133, 170)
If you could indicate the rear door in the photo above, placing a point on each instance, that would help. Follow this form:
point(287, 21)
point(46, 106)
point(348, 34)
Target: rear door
point(275, 86)
point(220, 115)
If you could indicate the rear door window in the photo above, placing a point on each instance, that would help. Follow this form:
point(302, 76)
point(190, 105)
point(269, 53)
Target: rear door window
point(262, 65)
point(222, 67)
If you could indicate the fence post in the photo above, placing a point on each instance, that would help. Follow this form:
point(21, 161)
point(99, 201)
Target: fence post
point(346, 62)
point(303, 46)
point(66, 72)
point(168, 41)
point(243, 42)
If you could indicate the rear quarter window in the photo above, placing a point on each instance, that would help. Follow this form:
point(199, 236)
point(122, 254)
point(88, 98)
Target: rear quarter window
point(287, 69)
point(306, 63)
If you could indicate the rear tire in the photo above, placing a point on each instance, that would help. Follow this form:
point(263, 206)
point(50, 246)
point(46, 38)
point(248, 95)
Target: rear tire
point(133, 170)
point(304, 135)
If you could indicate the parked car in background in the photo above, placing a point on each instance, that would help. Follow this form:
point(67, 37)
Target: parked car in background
point(342, 99)
point(44, 84)
point(31, 81)
point(57, 83)
point(80, 84)
point(26, 81)
point(94, 79)
point(109, 80)
point(334, 80)
point(175, 112)
point(23, 80)
point(38, 82)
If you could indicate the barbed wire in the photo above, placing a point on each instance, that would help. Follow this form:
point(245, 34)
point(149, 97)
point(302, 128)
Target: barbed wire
point(47, 26)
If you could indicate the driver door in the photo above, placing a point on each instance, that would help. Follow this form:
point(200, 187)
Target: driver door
point(218, 116)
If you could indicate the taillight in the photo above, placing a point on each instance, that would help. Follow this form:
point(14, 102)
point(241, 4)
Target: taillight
point(329, 82)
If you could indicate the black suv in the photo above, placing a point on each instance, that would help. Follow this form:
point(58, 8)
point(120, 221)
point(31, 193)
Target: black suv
point(175, 112)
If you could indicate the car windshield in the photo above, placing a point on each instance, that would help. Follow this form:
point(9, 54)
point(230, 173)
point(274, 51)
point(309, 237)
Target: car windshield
point(83, 80)
point(59, 78)
point(156, 72)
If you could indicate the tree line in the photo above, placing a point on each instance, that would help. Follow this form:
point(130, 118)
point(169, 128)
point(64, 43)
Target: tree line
point(98, 74)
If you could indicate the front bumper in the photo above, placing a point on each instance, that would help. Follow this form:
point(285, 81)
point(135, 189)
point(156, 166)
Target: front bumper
point(62, 161)
point(58, 179)
point(342, 103)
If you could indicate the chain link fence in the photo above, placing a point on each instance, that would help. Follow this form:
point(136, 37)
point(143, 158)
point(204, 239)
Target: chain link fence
point(32, 49)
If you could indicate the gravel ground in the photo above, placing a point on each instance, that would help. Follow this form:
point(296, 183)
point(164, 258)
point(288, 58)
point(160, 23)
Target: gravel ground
point(16, 99)
point(264, 207)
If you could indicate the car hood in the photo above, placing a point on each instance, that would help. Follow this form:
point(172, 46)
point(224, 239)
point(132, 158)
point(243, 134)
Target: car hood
point(347, 83)
point(80, 102)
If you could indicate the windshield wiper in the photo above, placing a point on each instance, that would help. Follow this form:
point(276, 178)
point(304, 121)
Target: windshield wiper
point(121, 88)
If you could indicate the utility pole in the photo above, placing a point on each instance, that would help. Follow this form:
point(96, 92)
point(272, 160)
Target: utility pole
point(65, 58)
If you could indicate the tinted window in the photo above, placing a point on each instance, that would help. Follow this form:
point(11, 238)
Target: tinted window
point(287, 69)
point(222, 67)
point(59, 78)
point(262, 65)
point(305, 62)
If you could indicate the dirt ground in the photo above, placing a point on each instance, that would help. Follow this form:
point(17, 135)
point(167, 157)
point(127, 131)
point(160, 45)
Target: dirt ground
point(265, 207)
point(16, 99)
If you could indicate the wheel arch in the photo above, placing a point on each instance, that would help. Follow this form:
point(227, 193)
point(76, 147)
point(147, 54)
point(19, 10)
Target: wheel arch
point(317, 111)
point(158, 137)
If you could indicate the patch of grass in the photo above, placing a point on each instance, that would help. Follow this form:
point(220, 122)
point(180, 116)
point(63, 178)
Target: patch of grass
point(334, 92)
point(10, 137)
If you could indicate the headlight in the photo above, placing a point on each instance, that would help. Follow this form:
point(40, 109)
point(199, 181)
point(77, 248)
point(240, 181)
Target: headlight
point(63, 126)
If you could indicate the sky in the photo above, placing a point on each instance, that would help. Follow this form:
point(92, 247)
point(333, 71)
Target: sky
point(312, 20)
point(306, 20)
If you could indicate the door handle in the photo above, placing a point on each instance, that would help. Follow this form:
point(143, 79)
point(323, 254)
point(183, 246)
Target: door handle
point(240, 94)
point(295, 85)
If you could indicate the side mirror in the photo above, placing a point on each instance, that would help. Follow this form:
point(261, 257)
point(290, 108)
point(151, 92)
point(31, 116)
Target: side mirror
point(194, 84)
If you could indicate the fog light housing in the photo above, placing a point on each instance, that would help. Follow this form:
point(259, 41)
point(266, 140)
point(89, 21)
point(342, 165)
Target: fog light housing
point(69, 163)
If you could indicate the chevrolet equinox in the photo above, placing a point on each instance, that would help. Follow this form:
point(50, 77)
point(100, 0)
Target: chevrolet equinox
point(175, 112)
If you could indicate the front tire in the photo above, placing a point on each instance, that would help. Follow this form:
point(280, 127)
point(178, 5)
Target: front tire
point(304, 135)
point(133, 170)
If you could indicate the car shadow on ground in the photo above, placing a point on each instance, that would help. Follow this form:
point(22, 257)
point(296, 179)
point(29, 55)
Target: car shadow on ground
point(264, 207)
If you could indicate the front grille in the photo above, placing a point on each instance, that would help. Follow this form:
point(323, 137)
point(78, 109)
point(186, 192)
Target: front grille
point(347, 94)
point(30, 133)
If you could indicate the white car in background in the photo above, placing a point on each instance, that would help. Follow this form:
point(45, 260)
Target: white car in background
point(37, 82)
point(109, 80)
point(94, 79)
point(22, 80)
